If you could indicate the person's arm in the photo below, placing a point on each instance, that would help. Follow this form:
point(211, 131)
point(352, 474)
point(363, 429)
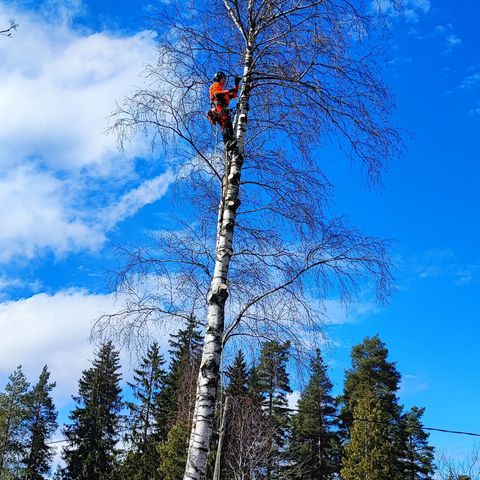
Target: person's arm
point(218, 91)
point(233, 92)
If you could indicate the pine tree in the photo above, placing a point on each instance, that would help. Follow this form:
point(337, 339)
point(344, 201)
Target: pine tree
point(173, 452)
point(41, 424)
point(274, 383)
point(178, 395)
point(417, 455)
point(13, 430)
point(370, 453)
point(371, 372)
point(315, 445)
point(145, 433)
point(93, 433)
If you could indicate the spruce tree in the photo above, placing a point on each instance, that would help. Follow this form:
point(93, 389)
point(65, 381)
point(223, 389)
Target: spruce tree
point(273, 378)
point(417, 455)
point(255, 386)
point(13, 429)
point(41, 424)
point(315, 446)
point(274, 383)
point(178, 395)
point(371, 453)
point(238, 378)
point(145, 433)
point(93, 433)
point(248, 432)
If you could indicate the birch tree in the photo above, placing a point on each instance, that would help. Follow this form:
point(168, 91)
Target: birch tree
point(256, 242)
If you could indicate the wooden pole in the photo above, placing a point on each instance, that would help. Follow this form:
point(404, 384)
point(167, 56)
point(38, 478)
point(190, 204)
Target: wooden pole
point(221, 437)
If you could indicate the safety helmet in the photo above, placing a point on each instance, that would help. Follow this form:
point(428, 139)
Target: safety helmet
point(218, 76)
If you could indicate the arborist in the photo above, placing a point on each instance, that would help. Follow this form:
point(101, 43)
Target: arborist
point(219, 112)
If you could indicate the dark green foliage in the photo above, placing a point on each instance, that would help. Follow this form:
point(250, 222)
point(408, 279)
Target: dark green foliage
point(417, 455)
point(238, 378)
point(273, 379)
point(255, 386)
point(371, 451)
point(315, 446)
point(374, 381)
point(274, 384)
point(263, 440)
point(371, 372)
point(178, 395)
point(399, 440)
point(41, 424)
point(173, 452)
point(93, 433)
point(144, 430)
point(13, 428)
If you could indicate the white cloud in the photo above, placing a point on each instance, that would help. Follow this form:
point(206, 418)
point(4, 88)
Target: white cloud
point(36, 215)
point(293, 399)
point(474, 111)
point(53, 329)
point(8, 282)
point(41, 212)
point(57, 86)
point(148, 192)
point(410, 10)
point(338, 314)
point(471, 81)
point(452, 42)
point(442, 263)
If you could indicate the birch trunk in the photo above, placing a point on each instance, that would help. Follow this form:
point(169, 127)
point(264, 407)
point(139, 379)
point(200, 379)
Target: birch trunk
point(209, 375)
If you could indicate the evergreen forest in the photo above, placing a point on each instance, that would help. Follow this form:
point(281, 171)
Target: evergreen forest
point(139, 429)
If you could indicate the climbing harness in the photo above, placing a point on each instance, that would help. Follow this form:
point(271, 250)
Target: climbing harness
point(219, 112)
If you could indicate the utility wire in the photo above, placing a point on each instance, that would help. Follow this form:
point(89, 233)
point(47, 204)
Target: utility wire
point(356, 419)
point(367, 420)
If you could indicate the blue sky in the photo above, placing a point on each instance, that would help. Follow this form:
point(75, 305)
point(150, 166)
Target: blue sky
point(69, 196)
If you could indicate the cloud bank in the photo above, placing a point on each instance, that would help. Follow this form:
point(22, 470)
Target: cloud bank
point(63, 182)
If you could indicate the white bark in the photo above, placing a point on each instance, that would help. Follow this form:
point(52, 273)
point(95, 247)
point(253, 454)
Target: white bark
point(208, 378)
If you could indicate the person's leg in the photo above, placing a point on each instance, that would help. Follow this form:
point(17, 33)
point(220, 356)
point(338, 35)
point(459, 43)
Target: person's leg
point(227, 131)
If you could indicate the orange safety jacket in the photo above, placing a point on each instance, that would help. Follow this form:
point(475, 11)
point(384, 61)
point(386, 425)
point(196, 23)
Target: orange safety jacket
point(219, 94)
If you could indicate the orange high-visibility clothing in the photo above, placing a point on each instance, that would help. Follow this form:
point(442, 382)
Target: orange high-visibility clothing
point(217, 92)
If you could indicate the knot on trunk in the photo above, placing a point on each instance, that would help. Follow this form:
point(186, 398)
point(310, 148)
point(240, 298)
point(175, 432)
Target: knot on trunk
point(226, 251)
point(229, 225)
point(234, 178)
point(233, 204)
point(218, 294)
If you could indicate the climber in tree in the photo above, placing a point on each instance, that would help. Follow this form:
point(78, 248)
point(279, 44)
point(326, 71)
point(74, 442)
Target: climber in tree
point(219, 112)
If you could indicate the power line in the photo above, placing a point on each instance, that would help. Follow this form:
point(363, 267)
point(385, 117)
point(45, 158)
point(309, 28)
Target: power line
point(356, 419)
point(367, 420)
